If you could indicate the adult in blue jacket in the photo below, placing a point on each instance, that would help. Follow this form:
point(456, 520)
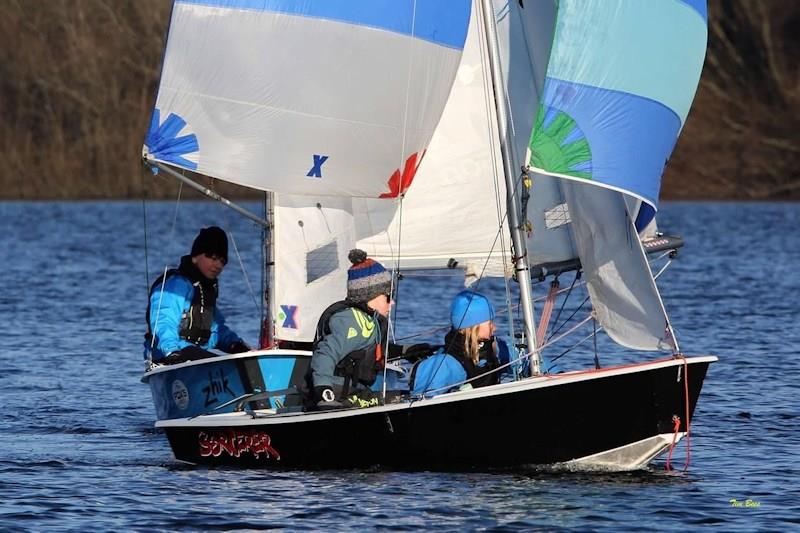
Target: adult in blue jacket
point(183, 319)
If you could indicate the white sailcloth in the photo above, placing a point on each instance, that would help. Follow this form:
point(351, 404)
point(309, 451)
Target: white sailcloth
point(458, 174)
point(311, 245)
point(321, 98)
point(455, 209)
point(623, 293)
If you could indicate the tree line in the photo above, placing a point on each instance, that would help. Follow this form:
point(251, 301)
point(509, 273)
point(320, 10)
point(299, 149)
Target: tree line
point(78, 80)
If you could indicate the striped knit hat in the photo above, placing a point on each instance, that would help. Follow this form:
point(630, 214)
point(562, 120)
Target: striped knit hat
point(367, 278)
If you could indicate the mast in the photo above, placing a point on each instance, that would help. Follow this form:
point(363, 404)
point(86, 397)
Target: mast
point(521, 260)
point(267, 336)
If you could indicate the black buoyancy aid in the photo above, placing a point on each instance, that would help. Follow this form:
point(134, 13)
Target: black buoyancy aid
point(454, 345)
point(195, 325)
point(362, 365)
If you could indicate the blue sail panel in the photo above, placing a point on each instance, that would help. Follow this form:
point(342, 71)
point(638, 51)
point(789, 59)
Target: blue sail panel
point(700, 6)
point(650, 49)
point(620, 83)
point(440, 22)
point(608, 137)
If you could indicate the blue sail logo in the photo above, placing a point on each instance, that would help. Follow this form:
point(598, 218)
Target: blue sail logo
point(163, 143)
point(316, 170)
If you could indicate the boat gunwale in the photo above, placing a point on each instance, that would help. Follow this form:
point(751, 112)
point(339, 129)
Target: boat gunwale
point(540, 382)
point(161, 368)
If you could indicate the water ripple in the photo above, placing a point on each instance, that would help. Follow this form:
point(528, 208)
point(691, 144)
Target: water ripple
point(80, 450)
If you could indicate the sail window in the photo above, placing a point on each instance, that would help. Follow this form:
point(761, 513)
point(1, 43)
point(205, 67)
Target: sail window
point(557, 216)
point(321, 261)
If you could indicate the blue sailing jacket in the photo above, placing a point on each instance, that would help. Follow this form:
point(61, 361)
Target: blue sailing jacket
point(167, 312)
point(441, 372)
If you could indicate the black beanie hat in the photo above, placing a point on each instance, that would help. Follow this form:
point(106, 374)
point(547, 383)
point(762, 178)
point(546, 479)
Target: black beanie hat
point(211, 241)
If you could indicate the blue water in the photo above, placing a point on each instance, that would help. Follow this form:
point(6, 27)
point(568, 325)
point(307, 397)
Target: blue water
point(76, 425)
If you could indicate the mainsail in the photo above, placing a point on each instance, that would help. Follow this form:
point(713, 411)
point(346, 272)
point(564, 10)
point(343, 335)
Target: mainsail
point(461, 173)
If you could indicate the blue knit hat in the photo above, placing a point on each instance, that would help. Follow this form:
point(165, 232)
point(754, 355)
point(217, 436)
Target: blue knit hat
point(470, 308)
point(367, 278)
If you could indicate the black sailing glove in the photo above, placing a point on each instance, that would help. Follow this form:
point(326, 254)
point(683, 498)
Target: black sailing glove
point(418, 351)
point(189, 353)
point(238, 347)
point(410, 352)
point(324, 398)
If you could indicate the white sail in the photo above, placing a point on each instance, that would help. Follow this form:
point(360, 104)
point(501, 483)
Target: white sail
point(459, 174)
point(454, 210)
point(525, 34)
point(623, 293)
point(329, 97)
point(312, 240)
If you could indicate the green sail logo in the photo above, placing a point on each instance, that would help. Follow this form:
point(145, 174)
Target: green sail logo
point(559, 146)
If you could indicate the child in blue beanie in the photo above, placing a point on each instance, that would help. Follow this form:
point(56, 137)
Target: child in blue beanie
point(469, 350)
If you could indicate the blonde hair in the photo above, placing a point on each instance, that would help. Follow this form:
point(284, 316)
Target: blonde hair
point(471, 341)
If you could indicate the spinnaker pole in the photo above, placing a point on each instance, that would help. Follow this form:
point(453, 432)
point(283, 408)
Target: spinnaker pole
point(156, 166)
point(517, 238)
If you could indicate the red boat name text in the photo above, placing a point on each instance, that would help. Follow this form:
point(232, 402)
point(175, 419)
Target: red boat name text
point(235, 443)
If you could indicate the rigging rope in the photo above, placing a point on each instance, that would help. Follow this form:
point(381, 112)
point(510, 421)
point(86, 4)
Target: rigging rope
point(171, 242)
point(568, 319)
point(547, 310)
point(400, 193)
point(244, 270)
point(394, 291)
point(144, 225)
point(492, 134)
point(677, 421)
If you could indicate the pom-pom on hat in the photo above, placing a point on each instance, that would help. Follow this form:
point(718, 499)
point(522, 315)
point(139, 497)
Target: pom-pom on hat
point(211, 241)
point(470, 308)
point(367, 278)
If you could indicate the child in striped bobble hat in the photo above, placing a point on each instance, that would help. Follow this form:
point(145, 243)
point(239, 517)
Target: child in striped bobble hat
point(347, 346)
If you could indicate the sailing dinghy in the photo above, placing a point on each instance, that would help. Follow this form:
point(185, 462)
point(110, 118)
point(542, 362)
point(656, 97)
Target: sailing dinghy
point(547, 123)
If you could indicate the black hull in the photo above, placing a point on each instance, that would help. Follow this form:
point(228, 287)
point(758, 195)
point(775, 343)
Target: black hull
point(559, 419)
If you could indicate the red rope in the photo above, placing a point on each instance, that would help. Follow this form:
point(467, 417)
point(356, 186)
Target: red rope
point(677, 421)
point(686, 401)
point(547, 310)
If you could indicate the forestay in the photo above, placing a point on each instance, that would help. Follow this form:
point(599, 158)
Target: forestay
point(335, 97)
